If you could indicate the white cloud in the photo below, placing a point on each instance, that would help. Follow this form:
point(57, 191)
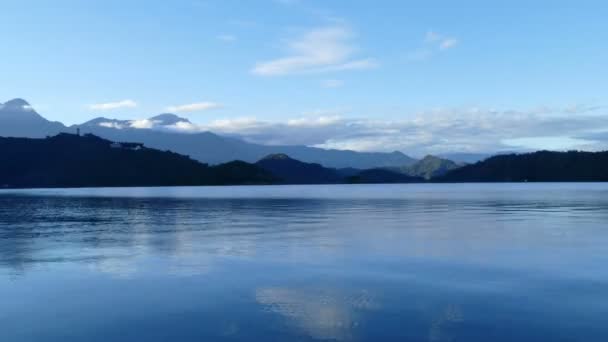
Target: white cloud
point(111, 124)
point(314, 122)
point(142, 124)
point(194, 107)
point(184, 126)
point(433, 42)
point(473, 130)
point(332, 83)
point(549, 142)
point(320, 50)
point(432, 131)
point(113, 105)
point(432, 36)
point(448, 43)
point(439, 40)
point(227, 38)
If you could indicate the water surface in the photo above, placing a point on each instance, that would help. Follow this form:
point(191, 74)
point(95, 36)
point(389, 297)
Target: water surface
point(467, 262)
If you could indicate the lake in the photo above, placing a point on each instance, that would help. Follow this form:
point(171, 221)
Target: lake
point(420, 262)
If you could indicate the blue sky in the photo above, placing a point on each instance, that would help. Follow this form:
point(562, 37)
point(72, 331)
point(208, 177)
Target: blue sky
point(364, 75)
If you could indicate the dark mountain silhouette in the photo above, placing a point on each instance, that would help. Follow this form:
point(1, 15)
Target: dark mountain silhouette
point(540, 166)
point(465, 158)
point(68, 160)
point(293, 171)
point(19, 119)
point(429, 167)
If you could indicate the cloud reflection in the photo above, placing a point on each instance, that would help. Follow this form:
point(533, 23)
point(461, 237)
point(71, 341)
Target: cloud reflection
point(322, 314)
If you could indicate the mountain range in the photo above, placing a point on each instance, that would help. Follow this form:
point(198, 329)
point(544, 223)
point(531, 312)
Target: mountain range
point(292, 171)
point(541, 166)
point(19, 119)
point(69, 160)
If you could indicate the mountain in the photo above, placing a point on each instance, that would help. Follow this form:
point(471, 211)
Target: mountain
point(293, 171)
point(19, 119)
point(214, 149)
point(68, 160)
point(465, 158)
point(430, 167)
point(168, 119)
point(540, 166)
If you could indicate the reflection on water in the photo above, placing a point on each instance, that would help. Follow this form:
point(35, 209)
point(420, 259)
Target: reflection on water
point(382, 262)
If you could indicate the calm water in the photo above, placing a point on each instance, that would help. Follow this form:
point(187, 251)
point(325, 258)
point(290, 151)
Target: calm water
point(470, 262)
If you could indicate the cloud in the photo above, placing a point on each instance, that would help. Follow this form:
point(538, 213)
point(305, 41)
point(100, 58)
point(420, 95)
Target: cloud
point(440, 41)
point(432, 43)
point(443, 130)
point(432, 131)
point(432, 36)
point(142, 124)
point(113, 105)
point(332, 83)
point(227, 38)
point(111, 124)
point(194, 107)
point(320, 50)
point(448, 43)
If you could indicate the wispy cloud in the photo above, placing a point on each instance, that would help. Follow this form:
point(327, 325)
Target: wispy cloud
point(441, 41)
point(226, 38)
point(433, 43)
point(332, 83)
point(448, 43)
point(194, 107)
point(113, 105)
point(320, 50)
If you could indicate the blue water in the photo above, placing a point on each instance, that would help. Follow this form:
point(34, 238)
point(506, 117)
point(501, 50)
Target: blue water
point(468, 262)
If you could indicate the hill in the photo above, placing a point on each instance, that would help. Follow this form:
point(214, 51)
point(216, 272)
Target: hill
point(540, 166)
point(293, 171)
point(430, 167)
point(68, 160)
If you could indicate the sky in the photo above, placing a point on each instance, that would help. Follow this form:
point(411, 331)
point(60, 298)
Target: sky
point(416, 76)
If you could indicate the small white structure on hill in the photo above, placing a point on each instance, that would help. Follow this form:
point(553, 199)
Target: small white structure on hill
point(127, 146)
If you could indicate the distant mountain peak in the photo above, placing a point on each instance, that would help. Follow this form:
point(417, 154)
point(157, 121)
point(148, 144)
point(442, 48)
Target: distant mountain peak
point(168, 119)
point(17, 104)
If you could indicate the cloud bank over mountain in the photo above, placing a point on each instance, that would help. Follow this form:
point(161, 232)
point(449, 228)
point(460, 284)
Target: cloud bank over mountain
point(438, 131)
point(434, 131)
